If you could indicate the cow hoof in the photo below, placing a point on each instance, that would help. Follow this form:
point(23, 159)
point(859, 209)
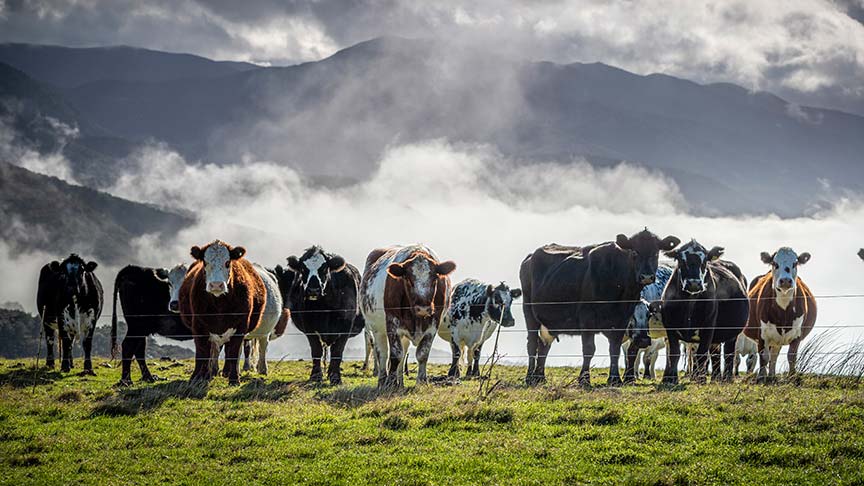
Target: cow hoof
point(670, 380)
point(534, 380)
point(316, 377)
point(614, 381)
point(629, 380)
point(49, 365)
point(233, 382)
point(65, 369)
point(152, 378)
point(123, 383)
point(699, 380)
point(335, 380)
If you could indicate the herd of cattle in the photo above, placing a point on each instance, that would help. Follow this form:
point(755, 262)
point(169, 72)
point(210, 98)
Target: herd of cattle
point(404, 296)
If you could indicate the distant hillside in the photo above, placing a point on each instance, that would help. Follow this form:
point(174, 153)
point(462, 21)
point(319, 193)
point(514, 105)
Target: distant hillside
point(19, 336)
point(45, 213)
point(68, 66)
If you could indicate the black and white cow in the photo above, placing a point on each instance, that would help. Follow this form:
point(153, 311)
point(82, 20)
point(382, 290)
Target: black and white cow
point(586, 290)
point(69, 300)
point(149, 299)
point(320, 290)
point(705, 302)
point(476, 309)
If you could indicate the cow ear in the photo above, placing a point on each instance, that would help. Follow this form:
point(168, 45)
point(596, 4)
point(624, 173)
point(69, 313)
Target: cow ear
point(654, 307)
point(766, 258)
point(490, 290)
point(161, 274)
point(90, 266)
point(336, 264)
point(623, 242)
point(54, 266)
point(294, 264)
point(715, 253)
point(861, 253)
point(237, 252)
point(445, 268)
point(278, 270)
point(396, 270)
point(803, 258)
point(196, 253)
point(668, 243)
point(673, 254)
point(515, 293)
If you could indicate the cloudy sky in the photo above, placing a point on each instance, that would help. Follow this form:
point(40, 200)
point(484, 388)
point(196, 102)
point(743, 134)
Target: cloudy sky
point(809, 51)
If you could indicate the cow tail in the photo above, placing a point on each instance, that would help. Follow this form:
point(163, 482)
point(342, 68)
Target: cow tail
point(114, 319)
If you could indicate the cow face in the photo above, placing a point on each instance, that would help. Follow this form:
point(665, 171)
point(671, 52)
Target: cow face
point(174, 278)
point(314, 269)
point(692, 260)
point(71, 272)
point(420, 276)
point(784, 269)
point(498, 301)
point(637, 328)
point(645, 248)
point(217, 258)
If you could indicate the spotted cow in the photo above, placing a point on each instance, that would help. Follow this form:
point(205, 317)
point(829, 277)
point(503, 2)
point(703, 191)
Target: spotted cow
point(69, 300)
point(222, 299)
point(404, 293)
point(782, 310)
point(476, 309)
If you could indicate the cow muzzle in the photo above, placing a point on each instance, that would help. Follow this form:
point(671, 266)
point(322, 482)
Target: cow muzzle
point(217, 289)
point(423, 310)
point(693, 286)
point(784, 284)
point(646, 279)
point(174, 306)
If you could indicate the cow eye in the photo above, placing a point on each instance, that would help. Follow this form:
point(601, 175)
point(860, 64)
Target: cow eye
point(228, 264)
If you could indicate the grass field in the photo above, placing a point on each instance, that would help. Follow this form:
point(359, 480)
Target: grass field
point(64, 428)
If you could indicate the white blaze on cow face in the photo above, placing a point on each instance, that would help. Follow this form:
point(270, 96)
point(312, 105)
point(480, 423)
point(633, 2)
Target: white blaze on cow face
point(314, 265)
point(175, 280)
point(217, 269)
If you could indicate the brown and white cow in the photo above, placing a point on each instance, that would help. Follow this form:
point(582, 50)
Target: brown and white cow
point(782, 310)
point(404, 292)
point(221, 300)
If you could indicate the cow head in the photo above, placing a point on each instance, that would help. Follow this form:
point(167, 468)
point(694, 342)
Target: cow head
point(313, 269)
point(71, 272)
point(645, 248)
point(174, 278)
point(692, 260)
point(637, 328)
point(217, 257)
point(420, 275)
point(498, 301)
point(784, 269)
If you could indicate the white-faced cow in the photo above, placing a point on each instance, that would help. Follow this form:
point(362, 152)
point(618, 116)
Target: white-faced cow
point(148, 297)
point(705, 302)
point(586, 290)
point(476, 309)
point(321, 289)
point(69, 300)
point(782, 310)
point(221, 300)
point(749, 350)
point(644, 328)
point(404, 292)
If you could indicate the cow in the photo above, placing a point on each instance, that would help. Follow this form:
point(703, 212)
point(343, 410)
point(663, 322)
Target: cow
point(222, 299)
point(644, 328)
point(148, 297)
point(649, 356)
point(69, 301)
point(404, 293)
point(746, 348)
point(273, 323)
point(476, 308)
point(782, 310)
point(321, 290)
point(585, 290)
point(705, 302)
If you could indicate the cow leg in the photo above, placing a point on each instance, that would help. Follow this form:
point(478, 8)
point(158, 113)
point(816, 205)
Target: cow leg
point(700, 365)
point(631, 356)
point(395, 364)
point(202, 360)
point(588, 349)
point(232, 358)
point(262, 344)
point(736, 363)
point(648, 359)
point(477, 351)
point(614, 352)
point(65, 352)
point(772, 366)
point(454, 364)
point(140, 347)
point(715, 362)
point(382, 348)
point(49, 344)
point(729, 356)
point(761, 376)
point(370, 351)
point(792, 356)
point(422, 355)
point(334, 369)
point(127, 353)
point(751, 362)
point(670, 373)
point(537, 352)
point(317, 350)
point(247, 355)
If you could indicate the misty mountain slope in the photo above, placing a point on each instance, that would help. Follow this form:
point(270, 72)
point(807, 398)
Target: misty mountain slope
point(47, 214)
point(68, 66)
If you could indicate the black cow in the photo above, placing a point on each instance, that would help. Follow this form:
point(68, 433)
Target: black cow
point(69, 300)
point(584, 290)
point(705, 302)
point(149, 300)
point(320, 290)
